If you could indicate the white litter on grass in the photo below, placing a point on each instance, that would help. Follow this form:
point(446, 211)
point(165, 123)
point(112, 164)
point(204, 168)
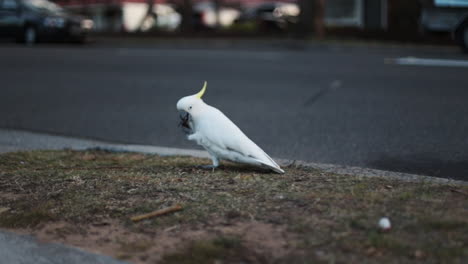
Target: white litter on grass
point(384, 224)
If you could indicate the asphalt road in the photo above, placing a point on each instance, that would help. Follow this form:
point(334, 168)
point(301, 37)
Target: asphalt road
point(325, 103)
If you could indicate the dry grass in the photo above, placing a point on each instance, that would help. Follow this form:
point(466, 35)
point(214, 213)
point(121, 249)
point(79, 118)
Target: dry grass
point(235, 214)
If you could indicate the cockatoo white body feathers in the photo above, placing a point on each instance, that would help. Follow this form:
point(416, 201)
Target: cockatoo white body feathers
point(220, 136)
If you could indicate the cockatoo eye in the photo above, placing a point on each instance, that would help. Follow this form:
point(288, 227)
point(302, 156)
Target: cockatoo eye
point(190, 108)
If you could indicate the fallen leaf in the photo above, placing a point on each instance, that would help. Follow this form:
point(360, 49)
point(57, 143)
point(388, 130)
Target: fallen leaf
point(4, 209)
point(88, 157)
point(370, 251)
point(419, 254)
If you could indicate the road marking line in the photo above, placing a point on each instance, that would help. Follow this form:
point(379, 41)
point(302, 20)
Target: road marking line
point(426, 62)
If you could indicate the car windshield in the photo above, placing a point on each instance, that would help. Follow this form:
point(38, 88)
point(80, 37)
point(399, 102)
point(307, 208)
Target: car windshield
point(43, 5)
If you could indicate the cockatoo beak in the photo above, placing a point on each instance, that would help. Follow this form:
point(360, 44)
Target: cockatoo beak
point(202, 91)
point(184, 119)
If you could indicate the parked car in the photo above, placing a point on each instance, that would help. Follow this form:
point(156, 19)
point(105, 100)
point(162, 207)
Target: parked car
point(30, 21)
point(273, 16)
point(446, 16)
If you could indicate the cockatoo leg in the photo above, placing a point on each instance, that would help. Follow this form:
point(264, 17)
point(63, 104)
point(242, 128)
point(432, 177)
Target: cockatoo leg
point(208, 167)
point(215, 160)
point(215, 163)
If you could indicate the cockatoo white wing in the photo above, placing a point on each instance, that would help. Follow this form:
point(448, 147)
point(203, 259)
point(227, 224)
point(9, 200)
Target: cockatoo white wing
point(222, 136)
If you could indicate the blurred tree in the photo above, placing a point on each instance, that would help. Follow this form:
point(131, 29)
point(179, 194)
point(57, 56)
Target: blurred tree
point(150, 15)
point(186, 10)
point(305, 18)
point(217, 5)
point(312, 16)
point(319, 18)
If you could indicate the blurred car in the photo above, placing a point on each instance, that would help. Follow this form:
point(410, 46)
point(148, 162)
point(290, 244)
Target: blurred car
point(30, 21)
point(446, 16)
point(273, 16)
point(205, 16)
point(167, 17)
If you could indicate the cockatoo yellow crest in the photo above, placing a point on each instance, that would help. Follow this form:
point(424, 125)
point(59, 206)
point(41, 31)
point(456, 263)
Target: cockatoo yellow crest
point(202, 91)
point(214, 131)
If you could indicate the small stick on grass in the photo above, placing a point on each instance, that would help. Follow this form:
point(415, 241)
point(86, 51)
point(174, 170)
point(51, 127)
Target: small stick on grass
point(458, 191)
point(164, 211)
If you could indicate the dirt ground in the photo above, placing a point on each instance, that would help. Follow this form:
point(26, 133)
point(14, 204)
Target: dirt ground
point(236, 214)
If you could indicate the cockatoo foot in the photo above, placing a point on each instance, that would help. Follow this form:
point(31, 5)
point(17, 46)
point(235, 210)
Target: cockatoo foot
point(208, 167)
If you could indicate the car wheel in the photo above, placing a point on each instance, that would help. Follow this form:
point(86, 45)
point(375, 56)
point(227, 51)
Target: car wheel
point(30, 35)
point(461, 34)
point(465, 39)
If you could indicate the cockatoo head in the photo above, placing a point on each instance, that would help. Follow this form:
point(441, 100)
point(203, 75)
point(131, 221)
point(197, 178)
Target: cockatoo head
point(192, 104)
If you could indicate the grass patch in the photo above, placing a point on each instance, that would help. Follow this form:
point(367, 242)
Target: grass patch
point(382, 241)
point(305, 214)
point(29, 218)
point(440, 224)
point(227, 249)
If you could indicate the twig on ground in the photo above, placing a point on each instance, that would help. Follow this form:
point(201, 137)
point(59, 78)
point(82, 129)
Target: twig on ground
point(458, 191)
point(164, 211)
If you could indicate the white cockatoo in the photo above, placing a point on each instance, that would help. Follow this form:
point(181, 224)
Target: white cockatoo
point(222, 139)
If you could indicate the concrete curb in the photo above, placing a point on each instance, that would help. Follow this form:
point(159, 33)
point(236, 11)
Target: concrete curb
point(18, 140)
point(367, 172)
